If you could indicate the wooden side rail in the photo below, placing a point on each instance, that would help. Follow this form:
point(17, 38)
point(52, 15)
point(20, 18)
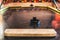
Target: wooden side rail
point(30, 32)
point(21, 5)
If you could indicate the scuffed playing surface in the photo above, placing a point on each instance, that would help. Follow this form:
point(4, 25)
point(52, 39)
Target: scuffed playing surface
point(20, 18)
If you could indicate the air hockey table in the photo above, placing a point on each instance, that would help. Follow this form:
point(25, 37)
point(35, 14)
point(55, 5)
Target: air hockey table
point(18, 28)
point(26, 32)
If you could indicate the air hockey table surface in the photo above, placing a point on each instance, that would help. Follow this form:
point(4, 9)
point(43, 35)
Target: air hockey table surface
point(11, 35)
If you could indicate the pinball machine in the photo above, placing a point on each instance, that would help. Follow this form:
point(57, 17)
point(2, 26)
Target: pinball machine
point(30, 20)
